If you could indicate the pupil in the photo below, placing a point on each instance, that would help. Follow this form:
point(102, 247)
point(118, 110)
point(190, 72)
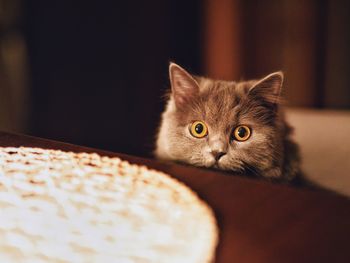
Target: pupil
point(242, 132)
point(199, 128)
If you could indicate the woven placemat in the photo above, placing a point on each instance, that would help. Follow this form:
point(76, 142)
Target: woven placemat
point(60, 206)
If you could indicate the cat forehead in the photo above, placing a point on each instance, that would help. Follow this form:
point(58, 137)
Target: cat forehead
point(216, 103)
point(227, 89)
point(221, 95)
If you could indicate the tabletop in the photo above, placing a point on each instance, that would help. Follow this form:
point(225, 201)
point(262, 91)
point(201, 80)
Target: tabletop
point(259, 221)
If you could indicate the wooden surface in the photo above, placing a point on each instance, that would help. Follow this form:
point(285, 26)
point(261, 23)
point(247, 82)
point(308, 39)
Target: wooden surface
point(259, 221)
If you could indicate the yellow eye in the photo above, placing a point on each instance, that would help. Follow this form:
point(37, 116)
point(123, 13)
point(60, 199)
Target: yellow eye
point(241, 133)
point(198, 129)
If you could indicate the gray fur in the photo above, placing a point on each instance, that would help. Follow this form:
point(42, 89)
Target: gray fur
point(223, 105)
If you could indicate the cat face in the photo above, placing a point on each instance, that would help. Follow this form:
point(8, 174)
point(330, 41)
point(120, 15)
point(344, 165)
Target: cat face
point(231, 126)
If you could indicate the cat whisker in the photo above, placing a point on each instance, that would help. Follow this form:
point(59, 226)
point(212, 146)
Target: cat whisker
point(247, 167)
point(197, 160)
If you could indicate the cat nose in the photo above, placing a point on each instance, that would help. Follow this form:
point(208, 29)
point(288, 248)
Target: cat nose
point(217, 154)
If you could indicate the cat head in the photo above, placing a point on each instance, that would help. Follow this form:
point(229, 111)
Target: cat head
point(222, 124)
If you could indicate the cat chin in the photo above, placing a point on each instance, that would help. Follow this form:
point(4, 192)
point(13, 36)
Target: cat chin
point(221, 165)
point(212, 164)
point(216, 165)
point(209, 164)
point(226, 166)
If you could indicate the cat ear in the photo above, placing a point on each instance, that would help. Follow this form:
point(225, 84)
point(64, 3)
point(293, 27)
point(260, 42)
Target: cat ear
point(268, 88)
point(183, 85)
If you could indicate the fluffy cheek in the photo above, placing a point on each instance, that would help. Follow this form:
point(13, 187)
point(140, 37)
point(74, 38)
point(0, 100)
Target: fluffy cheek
point(231, 162)
point(191, 150)
point(202, 157)
point(258, 152)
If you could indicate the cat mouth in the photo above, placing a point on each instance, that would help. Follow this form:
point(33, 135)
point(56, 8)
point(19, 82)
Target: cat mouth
point(216, 165)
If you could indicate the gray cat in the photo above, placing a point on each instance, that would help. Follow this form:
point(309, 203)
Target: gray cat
point(232, 126)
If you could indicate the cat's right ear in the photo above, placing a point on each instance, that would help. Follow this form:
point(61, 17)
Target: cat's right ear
point(183, 86)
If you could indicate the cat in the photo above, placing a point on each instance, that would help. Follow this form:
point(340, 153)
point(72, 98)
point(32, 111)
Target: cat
point(237, 127)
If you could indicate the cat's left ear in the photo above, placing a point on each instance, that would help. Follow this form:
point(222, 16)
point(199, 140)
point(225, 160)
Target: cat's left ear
point(268, 88)
point(183, 86)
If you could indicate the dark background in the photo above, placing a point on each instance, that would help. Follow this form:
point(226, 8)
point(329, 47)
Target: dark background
point(99, 68)
point(93, 72)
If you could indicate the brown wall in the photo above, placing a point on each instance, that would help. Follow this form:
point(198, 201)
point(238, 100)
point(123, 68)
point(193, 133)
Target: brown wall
point(308, 40)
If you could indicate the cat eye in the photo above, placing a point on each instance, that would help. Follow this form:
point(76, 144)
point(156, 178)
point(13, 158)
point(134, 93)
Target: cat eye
point(241, 133)
point(198, 129)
